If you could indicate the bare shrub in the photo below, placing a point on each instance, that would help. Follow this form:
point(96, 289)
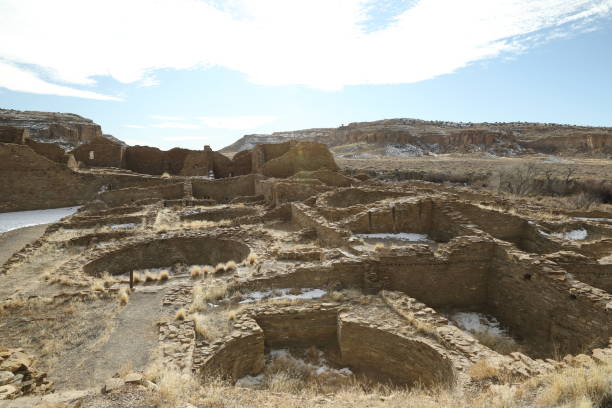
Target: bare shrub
point(483, 370)
point(501, 344)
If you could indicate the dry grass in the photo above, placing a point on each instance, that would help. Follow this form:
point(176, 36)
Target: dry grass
point(584, 386)
point(98, 286)
point(337, 296)
point(196, 271)
point(220, 268)
point(208, 270)
point(483, 370)
point(123, 296)
point(501, 344)
point(181, 314)
point(149, 276)
point(231, 266)
point(203, 294)
point(165, 175)
point(251, 259)
point(164, 275)
point(138, 277)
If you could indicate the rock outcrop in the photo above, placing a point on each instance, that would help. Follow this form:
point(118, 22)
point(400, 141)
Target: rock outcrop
point(65, 129)
point(18, 377)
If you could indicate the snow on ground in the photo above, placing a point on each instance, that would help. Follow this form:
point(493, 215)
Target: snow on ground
point(594, 219)
point(19, 219)
point(402, 236)
point(306, 293)
point(320, 367)
point(120, 226)
point(477, 323)
point(574, 235)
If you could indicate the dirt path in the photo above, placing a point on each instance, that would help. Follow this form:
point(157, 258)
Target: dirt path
point(132, 339)
point(13, 241)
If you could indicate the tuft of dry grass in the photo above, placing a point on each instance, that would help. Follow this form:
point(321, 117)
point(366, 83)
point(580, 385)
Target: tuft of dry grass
point(137, 277)
point(164, 275)
point(208, 270)
point(501, 344)
point(46, 276)
point(181, 314)
point(165, 175)
point(220, 268)
point(577, 386)
point(379, 246)
point(123, 296)
point(252, 258)
point(337, 296)
point(98, 286)
point(150, 277)
point(196, 271)
point(483, 370)
point(231, 266)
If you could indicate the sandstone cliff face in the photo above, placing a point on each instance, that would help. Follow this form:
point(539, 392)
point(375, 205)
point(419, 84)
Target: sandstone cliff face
point(413, 137)
point(65, 129)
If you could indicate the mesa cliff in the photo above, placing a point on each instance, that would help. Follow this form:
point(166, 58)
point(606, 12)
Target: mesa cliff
point(414, 137)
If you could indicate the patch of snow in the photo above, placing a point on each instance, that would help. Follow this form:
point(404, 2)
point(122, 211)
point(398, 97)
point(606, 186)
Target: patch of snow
point(249, 381)
point(402, 236)
point(20, 219)
point(594, 219)
point(477, 323)
point(306, 293)
point(574, 235)
point(118, 226)
point(406, 150)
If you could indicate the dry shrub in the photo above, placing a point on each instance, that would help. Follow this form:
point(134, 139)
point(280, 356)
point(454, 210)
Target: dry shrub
point(220, 268)
point(196, 271)
point(181, 314)
point(501, 344)
point(164, 275)
point(584, 386)
point(483, 370)
point(379, 246)
point(337, 296)
point(165, 175)
point(123, 296)
point(208, 270)
point(137, 277)
point(46, 276)
point(204, 294)
point(252, 258)
point(231, 266)
point(150, 277)
point(98, 286)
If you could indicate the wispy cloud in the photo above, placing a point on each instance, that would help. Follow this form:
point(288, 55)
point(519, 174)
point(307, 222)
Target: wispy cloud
point(236, 122)
point(318, 43)
point(21, 80)
point(166, 118)
point(175, 125)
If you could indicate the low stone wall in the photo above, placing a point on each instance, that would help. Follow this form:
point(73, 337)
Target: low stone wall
point(302, 329)
point(218, 214)
point(305, 217)
point(224, 190)
point(166, 252)
point(543, 305)
point(391, 357)
point(131, 195)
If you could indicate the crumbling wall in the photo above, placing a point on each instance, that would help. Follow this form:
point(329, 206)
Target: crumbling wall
point(100, 152)
point(130, 195)
point(305, 217)
point(242, 163)
point(144, 159)
point(300, 156)
point(11, 134)
point(49, 150)
point(390, 357)
point(299, 329)
point(542, 305)
point(224, 190)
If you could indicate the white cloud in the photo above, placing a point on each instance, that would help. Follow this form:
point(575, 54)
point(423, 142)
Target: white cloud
point(318, 43)
point(20, 80)
point(175, 125)
point(166, 118)
point(237, 122)
point(134, 126)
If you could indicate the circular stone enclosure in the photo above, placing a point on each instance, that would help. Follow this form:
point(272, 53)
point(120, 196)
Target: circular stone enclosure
point(167, 252)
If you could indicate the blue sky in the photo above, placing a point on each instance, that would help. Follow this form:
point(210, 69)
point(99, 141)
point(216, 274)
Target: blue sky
point(189, 73)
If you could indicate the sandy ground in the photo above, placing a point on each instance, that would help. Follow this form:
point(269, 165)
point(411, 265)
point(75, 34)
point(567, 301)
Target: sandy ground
point(12, 241)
